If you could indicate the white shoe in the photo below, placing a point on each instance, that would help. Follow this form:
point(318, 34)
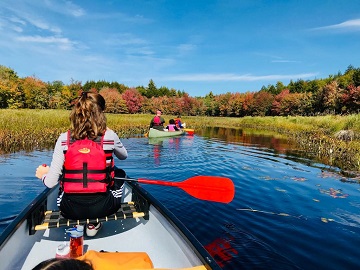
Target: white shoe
point(92, 230)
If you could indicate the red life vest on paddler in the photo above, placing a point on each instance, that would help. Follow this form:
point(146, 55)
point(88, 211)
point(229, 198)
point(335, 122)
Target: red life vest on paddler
point(177, 120)
point(157, 121)
point(87, 167)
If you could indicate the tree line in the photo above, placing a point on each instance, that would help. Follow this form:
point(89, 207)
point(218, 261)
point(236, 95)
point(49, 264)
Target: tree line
point(337, 94)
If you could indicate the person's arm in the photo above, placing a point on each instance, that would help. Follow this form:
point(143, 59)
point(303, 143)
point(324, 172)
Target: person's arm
point(50, 175)
point(152, 123)
point(176, 128)
point(119, 149)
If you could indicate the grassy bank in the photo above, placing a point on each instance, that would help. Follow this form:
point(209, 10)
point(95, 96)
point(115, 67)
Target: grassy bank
point(34, 129)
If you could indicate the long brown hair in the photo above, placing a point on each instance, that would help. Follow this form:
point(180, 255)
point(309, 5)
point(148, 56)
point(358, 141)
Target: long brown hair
point(87, 118)
point(59, 263)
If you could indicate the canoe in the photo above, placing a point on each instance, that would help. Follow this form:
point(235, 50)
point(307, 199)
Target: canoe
point(154, 133)
point(149, 227)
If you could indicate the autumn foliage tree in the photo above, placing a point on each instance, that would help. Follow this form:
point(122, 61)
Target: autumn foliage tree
point(350, 99)
point(277, 106)
point(114, 101)
point(35, 93)
point(183, 105)
point(11, 94)
point(262, 102)
point(235, 103)
point(329, 97)
point(69, 93)
point(133, 100)
point(338, 93)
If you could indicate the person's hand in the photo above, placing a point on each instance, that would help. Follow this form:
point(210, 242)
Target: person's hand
point(41, 170)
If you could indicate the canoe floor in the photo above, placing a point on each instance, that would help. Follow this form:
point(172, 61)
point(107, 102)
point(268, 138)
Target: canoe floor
point(157, 237)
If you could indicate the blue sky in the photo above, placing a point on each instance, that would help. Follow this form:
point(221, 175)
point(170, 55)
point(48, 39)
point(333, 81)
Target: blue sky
point(196, 46)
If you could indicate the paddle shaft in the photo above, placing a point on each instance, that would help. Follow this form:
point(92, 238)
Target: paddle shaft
point(210, 188)
point(172, 184)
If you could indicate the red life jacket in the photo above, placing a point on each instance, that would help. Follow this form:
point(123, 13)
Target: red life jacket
point(87, 167)
point(157, 121)
point(177, 120)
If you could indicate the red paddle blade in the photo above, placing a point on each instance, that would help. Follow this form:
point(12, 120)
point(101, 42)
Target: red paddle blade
point(208, 188)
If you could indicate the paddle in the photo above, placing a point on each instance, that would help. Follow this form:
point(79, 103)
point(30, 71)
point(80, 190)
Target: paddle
point(189, 131)
point(208, 188)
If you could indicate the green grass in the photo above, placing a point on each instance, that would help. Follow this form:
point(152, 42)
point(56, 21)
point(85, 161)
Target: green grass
point(17, 120)
point(38, 129)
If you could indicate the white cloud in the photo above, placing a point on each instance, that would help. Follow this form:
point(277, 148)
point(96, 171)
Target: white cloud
point(347, 25)
point(63, 43)
point(26, 21)
point(65, 7)
point(234, 77)
point(17, 20)
point(38, 23)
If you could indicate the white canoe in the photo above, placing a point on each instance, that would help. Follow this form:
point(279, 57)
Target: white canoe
point(160, 234)
point(154, 133)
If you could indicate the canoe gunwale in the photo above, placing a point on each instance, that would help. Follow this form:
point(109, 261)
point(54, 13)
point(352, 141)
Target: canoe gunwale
point(24, 216)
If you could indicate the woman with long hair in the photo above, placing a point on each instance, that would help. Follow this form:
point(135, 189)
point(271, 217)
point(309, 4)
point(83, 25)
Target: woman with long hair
point(83, 164)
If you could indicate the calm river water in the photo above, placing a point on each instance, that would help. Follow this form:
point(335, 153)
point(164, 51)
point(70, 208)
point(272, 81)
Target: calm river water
point(288, 212)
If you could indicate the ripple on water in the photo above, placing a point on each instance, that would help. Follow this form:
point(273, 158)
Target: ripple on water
point(288, 212)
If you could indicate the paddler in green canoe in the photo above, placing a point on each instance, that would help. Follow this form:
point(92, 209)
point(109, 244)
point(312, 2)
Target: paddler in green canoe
point(158, 121)
point(178, 122)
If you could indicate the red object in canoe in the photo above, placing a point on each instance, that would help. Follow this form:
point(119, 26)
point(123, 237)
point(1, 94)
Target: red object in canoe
point(189, 131)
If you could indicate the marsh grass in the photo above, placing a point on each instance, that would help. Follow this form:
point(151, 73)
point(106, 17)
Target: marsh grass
point(38, 129)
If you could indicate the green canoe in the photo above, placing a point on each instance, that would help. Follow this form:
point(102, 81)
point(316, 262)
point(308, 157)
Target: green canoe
point(154, 133)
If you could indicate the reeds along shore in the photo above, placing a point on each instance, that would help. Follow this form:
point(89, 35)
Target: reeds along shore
point(332, 140)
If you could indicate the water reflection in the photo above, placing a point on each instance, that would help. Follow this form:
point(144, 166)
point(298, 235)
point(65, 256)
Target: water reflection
point(170, 144)
point(264, 139)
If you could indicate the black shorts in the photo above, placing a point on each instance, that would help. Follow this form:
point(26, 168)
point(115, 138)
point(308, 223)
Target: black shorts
point(82, 206)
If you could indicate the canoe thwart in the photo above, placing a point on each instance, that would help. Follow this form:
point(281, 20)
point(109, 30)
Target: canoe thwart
point(54, 219)
point(45, 219)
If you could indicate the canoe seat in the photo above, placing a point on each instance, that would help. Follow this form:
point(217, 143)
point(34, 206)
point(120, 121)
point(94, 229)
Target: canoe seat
point(42, 219)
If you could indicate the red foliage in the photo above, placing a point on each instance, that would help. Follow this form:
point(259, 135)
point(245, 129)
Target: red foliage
point(351, 98)
point(276, 106)
point(133, 99)
point(262, 103)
